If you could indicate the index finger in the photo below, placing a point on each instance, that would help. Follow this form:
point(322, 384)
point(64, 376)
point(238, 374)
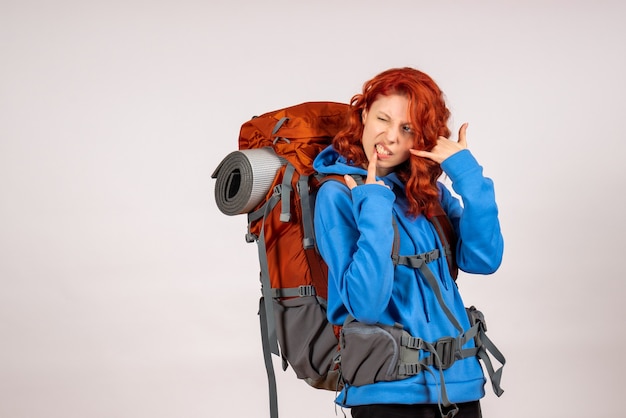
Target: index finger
point(371, 168)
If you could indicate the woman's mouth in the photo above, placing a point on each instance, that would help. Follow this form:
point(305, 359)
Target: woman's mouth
point(381, 150)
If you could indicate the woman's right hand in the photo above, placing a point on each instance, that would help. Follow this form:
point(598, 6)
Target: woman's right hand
point(371, 174)
point(445, 147)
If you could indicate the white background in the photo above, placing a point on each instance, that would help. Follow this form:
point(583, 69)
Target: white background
point(125, 293)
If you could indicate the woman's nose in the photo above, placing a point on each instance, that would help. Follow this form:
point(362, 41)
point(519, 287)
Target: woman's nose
point(392, 135)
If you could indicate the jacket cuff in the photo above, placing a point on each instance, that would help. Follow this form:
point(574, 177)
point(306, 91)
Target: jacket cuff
point(459, 164)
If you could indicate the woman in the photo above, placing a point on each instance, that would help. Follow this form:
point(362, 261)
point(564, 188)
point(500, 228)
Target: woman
point(397, 141)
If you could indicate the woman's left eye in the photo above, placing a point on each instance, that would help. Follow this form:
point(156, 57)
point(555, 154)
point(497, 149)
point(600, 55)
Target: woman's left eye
point(407, 129)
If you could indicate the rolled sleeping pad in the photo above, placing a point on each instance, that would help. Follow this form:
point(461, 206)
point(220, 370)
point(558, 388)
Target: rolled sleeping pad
point(243, 179)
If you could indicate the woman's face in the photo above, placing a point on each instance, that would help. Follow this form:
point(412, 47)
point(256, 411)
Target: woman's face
point(388, 132)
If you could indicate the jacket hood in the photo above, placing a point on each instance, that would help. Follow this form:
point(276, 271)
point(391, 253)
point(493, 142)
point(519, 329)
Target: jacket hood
point(330, 162)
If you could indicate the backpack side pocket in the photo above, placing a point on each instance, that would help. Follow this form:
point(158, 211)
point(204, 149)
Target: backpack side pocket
point(307, 340)
point(370, 353)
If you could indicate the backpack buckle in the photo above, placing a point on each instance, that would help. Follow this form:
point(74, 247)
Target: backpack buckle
point(446, 349)
point(306, 291)
point(431, 256)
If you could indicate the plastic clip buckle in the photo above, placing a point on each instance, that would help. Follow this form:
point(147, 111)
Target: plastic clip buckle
point(431, 256)
point(446, 349)
point(306, 291)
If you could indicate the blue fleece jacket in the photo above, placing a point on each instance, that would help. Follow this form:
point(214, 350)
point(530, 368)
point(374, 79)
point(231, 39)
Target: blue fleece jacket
point(355, 237)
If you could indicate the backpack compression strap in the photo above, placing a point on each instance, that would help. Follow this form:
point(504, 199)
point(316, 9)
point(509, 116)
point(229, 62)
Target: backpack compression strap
point(447, 350)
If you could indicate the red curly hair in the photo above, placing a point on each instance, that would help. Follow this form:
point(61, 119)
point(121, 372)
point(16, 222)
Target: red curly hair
point(427, 113)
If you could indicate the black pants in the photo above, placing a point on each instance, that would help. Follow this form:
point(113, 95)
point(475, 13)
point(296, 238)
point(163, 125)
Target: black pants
point(466, 410)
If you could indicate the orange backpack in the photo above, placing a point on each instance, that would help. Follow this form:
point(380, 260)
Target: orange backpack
point(271, 178)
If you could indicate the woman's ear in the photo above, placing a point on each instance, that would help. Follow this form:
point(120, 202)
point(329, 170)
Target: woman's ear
point(363, 116)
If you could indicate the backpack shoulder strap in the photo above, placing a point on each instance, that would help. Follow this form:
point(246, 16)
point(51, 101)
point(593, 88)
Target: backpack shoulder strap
point(445, 230)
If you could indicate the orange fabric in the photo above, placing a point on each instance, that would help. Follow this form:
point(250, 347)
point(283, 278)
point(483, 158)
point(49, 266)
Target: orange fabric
point(310, 128)
point(288, 262)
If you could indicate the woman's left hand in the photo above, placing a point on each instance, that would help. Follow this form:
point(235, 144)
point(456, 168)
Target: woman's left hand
point(445, 147)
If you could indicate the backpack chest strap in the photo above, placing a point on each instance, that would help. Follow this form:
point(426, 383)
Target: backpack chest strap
point(419, 262)
point(415, 261)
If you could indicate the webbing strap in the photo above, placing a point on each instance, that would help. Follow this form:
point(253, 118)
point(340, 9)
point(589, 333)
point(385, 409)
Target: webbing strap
point(267, 357)
point(449, 350)
point(416, 261)
point(307, 213)
point(299, 291)
point(266, 305)
point(395, 248)
point(443, 399)
point(419, 262)
point(445, 346)
point(486, 345)
point(445, 351)
point(285, 209)
point(265, 277)
point(279, 124)
point(258, 214)
point(416, 366)
point(434, 285)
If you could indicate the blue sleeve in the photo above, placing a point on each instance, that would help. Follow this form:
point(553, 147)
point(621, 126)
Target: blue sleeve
point(355, 238)
point(480, 245)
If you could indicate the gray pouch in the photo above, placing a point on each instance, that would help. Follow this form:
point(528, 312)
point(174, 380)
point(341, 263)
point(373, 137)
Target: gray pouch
point(307, 340)
point(370, 353)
